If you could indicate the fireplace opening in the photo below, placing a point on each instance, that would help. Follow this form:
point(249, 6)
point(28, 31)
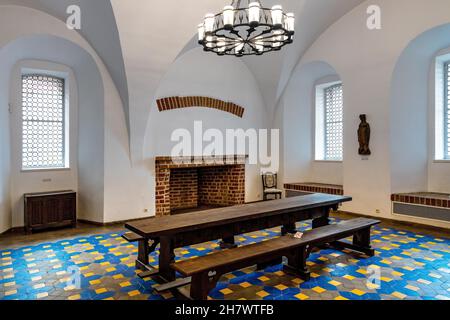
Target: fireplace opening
point(197, 189)
point(198, 185)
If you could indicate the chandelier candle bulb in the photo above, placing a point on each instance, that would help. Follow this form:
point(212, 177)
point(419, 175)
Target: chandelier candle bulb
point(290, 22)
point(228, 17)
point(209, 23)
point(277, 16)
point(278, 39)
point(201, 33)
point(210, 42)
point(254, 13)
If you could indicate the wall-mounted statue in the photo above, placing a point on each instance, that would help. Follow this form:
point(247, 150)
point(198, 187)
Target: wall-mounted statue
point(364, 136)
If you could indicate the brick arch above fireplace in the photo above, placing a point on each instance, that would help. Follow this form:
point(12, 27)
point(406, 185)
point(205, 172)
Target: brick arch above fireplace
point(172, 103)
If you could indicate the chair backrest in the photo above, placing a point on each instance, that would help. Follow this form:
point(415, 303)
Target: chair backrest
point(269, 180)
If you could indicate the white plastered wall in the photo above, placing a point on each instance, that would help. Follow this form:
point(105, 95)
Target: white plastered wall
point(365, 60)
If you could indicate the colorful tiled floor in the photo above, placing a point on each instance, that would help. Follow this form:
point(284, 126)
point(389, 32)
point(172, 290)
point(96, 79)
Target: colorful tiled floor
point(410, 266)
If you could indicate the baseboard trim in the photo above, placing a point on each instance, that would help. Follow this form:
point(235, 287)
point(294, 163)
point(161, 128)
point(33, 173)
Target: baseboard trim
point(14, 230)
point(109, 224)
point(399, 223)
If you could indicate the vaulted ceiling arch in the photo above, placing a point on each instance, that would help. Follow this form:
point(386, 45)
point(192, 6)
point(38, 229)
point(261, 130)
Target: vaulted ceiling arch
point(98, 27)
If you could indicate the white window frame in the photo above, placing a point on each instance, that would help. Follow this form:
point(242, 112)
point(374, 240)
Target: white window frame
point(446, 110)
point(57, 72)
point(320, 125)
point(442, 129)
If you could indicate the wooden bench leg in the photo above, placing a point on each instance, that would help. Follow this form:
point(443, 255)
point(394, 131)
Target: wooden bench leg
point(297, 263)
point(362, 240)
point(361, 243)
point(202, 284)
point(274, 262)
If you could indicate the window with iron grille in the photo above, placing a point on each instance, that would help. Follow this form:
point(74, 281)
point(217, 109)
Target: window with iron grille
point(43, 122)
point(447, 111)
point(333, 100)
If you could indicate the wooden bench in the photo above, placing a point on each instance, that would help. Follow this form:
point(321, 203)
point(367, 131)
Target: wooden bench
point(313, 187)
point(207, 270)
point(132, 237)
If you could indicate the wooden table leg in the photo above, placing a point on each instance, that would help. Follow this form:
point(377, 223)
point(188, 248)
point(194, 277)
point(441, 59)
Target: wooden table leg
point(143, 253)
point(166, 258)
point(322, 221)
point(228, 243)
point(288, 228)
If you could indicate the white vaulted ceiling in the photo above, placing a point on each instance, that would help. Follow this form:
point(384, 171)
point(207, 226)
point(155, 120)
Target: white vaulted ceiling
point(154, 33)
point(98, 27)
point(138, 40)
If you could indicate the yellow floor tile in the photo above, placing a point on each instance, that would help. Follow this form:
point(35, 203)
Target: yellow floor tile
point(335, 283)
point(281, 287)
point(319, 289)
point(263, 279)
point(100, 291)
point(358, 292)
point(226, 291)
point(133, 293)
point(42, 295)
point(125, 284)
point(398, 295)
point(262, 294)
point(302, 296)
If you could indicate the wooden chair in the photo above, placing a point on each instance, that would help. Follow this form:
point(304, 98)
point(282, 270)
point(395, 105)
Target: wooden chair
point(270, 185)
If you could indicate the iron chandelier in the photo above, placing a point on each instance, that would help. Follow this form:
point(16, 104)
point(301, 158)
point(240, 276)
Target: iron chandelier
point(243, 31)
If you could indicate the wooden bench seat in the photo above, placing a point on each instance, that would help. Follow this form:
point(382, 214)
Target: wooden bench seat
point(132, 237)
point(313, 187)
point(207, 270)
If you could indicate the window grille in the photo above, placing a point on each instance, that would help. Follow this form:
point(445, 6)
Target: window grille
point(334, 123)
point(43, 122)
point(447, 111)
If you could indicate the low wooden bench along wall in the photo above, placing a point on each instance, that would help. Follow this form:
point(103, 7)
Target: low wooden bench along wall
point(428, 205)
point(207, 270)
point(311, 187)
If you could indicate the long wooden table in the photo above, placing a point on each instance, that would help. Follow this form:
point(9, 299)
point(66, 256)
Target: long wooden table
point(177, 231)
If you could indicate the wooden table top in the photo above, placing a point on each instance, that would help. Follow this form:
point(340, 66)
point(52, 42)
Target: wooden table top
point(155, 227)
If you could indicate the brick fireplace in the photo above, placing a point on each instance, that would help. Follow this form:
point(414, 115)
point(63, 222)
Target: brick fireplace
point(197, 182)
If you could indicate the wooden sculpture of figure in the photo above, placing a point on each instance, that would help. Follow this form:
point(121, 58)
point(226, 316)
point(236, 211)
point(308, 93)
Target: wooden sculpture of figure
point(364, 136)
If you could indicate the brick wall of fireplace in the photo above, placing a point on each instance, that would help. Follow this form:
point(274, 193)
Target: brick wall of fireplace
point(195, 183)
